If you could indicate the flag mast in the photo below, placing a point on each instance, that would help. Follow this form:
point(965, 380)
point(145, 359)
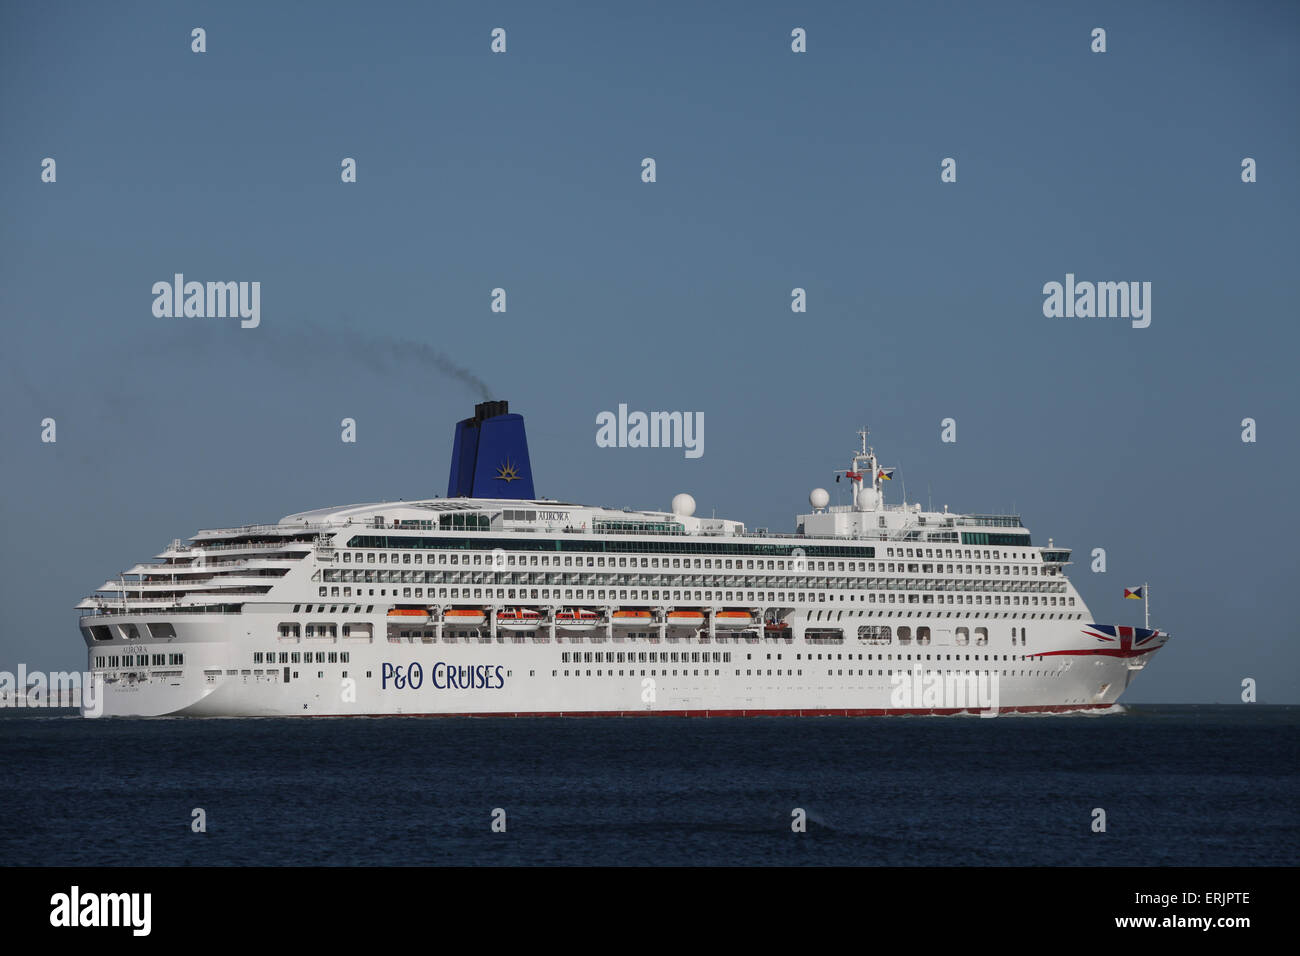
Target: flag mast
point(1144, 592)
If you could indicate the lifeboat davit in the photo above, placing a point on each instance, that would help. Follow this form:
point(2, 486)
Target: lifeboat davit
point(685, 618)
point(728, 619)
point(576, 619)
point(518, 618)
point(464, 616)
point(631, 618)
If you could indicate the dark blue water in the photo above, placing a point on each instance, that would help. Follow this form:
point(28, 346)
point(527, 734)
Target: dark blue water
point(1191, 785)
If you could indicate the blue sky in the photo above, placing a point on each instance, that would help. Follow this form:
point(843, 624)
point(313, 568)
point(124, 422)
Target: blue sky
point(775, 171)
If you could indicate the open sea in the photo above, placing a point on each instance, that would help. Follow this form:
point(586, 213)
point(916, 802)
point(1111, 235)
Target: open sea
point(1180, 786)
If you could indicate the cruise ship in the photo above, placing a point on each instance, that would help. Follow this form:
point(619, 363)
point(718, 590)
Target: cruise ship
point(494, 602)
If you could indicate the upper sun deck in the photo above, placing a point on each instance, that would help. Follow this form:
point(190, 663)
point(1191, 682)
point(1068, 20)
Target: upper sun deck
point(868, 518)
point(547, 517)
point(508, 515)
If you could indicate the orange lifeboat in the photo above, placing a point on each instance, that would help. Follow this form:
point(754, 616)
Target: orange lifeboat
point(409, 615)
point(576, 619)
point(685, 618)
point(464, 616)
point(518, 618)
point(631, 618)
point(729, 619)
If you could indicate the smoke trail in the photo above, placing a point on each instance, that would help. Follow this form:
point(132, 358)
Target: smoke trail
point(306, 346)
point(406, 350)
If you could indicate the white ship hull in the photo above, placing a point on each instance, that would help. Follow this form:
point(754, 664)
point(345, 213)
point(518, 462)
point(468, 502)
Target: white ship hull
point(513, 676)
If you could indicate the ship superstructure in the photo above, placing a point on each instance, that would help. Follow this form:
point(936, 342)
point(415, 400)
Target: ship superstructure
point(488, 603)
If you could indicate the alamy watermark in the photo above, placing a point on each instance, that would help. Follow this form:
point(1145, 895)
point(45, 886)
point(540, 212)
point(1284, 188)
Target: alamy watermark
point(1102, 300)
point(127, 910)
point(927, 689)
point(651, 430)
point(33, 689)
point(213, 300)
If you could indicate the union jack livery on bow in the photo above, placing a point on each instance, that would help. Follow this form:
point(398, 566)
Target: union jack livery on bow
point(1120, 640)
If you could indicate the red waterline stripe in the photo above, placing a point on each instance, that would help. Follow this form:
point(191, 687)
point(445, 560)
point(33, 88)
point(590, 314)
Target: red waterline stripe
point(821, 712)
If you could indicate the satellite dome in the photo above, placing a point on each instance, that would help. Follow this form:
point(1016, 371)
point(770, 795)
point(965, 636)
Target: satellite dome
point(819, 499)
point(683, 505)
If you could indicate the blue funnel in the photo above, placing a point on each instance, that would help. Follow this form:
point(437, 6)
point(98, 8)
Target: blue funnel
point(490, 457)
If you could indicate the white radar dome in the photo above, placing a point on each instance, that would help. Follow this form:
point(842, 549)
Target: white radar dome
point(819, 499)
point(683, 505)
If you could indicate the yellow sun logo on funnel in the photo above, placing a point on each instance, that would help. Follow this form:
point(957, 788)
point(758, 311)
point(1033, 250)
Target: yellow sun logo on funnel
point(507, 472)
